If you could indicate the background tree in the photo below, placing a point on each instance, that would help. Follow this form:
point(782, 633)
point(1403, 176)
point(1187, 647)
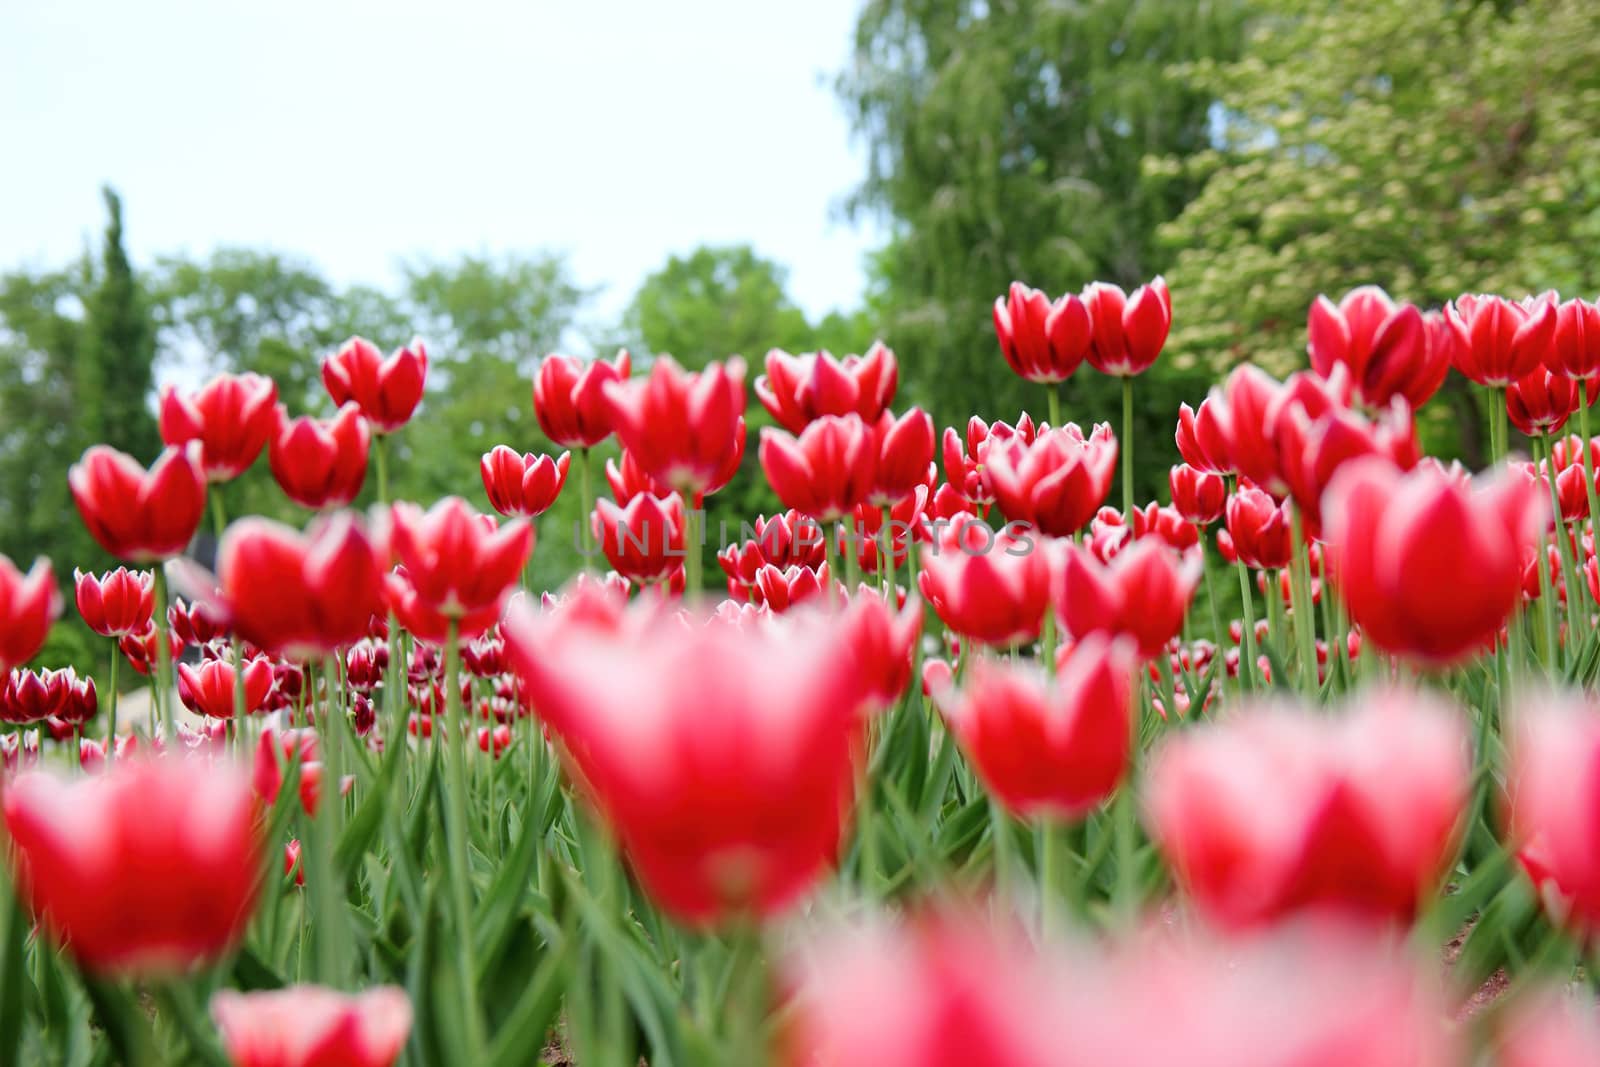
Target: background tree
point(1429, 146)
point(116, 360)
point(715, 302)
point(1006, 141)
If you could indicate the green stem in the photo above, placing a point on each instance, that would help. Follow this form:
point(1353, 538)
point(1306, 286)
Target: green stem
point(456, 834)
point(1218, 634)
point(1305, 629)
point(111, 710)
point(164, 684)
point(1247, 639)
point(380, 452)
point(1588, 456)
point(1500, 430)
point(1127, 449)
point(886, 557)
point(691, 549)
point(830, 557)
point(1052, 842)
point(1577, 589)
point(585, 506)
point(1053, 393)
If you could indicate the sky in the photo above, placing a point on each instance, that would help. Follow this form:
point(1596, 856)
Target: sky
point(356, 135)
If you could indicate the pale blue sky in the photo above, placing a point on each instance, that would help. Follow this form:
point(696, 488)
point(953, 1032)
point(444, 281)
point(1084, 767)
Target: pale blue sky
point(355, 134)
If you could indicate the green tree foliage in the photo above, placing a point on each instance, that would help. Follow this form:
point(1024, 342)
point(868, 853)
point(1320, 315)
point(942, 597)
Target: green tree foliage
point(1429, 146)
point(1006, 141)
point(116, 361)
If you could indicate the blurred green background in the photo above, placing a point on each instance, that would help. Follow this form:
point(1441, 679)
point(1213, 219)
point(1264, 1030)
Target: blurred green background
point(1256, 152)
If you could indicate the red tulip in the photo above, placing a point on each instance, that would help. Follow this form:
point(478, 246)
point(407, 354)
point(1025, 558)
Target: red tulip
point(291, 863)
point(310, 1026)
point(1364, 817)
point(1143, 593)
point(1048, 750)
point(116, 603)
point(964, 460)
point(1553, 787)
point(457, 563)
point(1197, 495)
point(1311, 449)
point(275, 753)
point(29, 603)
point(1575, 345)
point(301, 595)
point(1164, 524)
point(1549, 1028)
point(522, 484)
point(138, 515)
point(148, 869)
point(30, 697)
point(209, 688)
point(569, 398)
point(779, 590)
point(1383, 345)
point(799, 389)
point(904, 457)
point(785, 540)
point(991, 587)
point(231, 416)
point(1540, 402)
point(907, 522)
point(1259, 528)
point(1499, 340)
point(629, 480)
point(1203, 436)
point(1042, 342)
point(644, 541)
point(1129, 330)
point(320, 463)
point(684, 428)
point(964, 994)
point(79, 701)
point(1057, 482)
point(500, 735)
point(388, 390)
point(724, 757)
point(1249, 394)
point(884, 641)
point(1400, 543)
point(195, 625)
point(827, 471)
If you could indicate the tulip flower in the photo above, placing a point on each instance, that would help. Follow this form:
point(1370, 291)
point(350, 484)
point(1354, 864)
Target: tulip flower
point(1383, 345)
point(29, 603)
point(884, 641)
point(29, 697)
point(195, 625)
point(76, 700)
point(964, 458)
point(1143, 593)
point(683, 428)
point(457, 563)
point(1162, 523)
point(1312, 449)
point(964, 993)
point(628, 480)
point(138, 515)
point(116, 603)
point(1055, 483)
point(800, 389)
point(231, 416)
point(1540, 402)
point(1042, 342)
point(387, 390)
point(301, 595)
point(311, 1026)
point(643, 541)
point(209, 688)
point(500, 736)
point(1401, 545)
point(724, 757)
point(1575, 345)
point(1259, 528)
point(1247, 396)
point(569, 400)
point(1365, 813)
point(1203, 435)
point(1129, 330)
point(320, 463)
point(904, 457)
point(991, 587)
point(827, 470)
point(275, 752)
point(1500, 340)
point(1197, 495)
point(523, 485)
point(779, 590)
point(1553, 787)
point(1549, 1028)
point(148, 869)
point(865, 532)
point(1044, 750)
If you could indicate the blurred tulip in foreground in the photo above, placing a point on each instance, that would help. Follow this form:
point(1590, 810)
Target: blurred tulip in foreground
point(644, 540)
point(1554, 804)
point(990, 586)
point(29, 603)
point(311, 1026)
point(140, 515)
point(148, 869)
point(1383, 345)
point(458, 564)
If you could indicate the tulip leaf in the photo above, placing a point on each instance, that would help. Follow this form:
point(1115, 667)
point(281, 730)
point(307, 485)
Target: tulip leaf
point(497, 910)
point(525, 1027)
point(13, 973)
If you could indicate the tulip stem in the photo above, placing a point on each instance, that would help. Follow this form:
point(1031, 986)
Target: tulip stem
point(585, 506)
point(1127, 448)
point(380, 453)
point(219, 514)
point(1588, 455)
point(1247, 638)
point(886, 558)
point(830, 559)
point(1052, 842)
point(163, 679)
point(1053, 393)
point(1577, 590)
point(111, 711)
point(1335, 635)
point(1305, 622)
point(691, 550)
point(456, 833)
